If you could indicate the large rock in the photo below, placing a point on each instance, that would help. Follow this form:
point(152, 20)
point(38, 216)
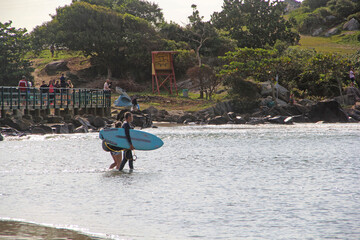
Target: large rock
point(152, 111)
point(81, 129)
point(281, 120)
point(64, 129)
point(219, 109)
point(332, 31)
point(41, 129)
point(218, 120)
point(355, 114)
point(99, 122)
point(18, 124)
point(82, 121)
point(317, 32)
point(352, 25)
point(1, 137)
point(143, 121)
point(239, 120)
point(56, 66)
point(54, 119)
point(328, 111)
point(281, 92)
point(187, 118)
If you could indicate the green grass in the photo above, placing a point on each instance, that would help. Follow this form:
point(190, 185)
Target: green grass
point(45, 56)
point(175, 102)
point(344, 43)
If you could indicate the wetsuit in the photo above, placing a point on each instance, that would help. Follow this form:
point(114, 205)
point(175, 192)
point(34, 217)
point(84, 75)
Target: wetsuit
point(127, 153)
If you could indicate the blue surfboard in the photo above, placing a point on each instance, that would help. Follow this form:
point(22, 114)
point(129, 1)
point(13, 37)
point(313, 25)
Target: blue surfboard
point(140, 140)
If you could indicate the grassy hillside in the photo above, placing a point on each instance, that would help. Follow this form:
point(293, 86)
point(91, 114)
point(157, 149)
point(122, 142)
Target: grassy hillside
point(345, 43)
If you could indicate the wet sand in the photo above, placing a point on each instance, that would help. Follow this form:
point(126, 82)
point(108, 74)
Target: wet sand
point(21, 230)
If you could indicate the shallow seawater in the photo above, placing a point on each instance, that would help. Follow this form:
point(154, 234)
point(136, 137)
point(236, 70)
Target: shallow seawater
point(206, 182)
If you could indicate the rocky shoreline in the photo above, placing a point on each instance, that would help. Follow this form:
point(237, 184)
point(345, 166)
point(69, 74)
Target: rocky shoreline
point(262, 111)
point(305, 111)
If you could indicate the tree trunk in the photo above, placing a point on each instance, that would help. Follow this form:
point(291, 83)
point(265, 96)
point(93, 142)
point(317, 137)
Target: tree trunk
point(109, 72)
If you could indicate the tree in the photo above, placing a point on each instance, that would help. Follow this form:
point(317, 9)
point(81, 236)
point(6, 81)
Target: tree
point(14, 44)
point(324, 74)
point(205, 76)
point(142, 9)
point(342, 8)
point(138, 8)
point(313, 4)
point(257, 64)
point(255, 23)
point(116, 41)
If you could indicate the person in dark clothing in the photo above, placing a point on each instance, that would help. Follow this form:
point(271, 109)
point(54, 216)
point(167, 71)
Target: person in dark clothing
point(127, 153)
point(62, 81)
point(44, 88)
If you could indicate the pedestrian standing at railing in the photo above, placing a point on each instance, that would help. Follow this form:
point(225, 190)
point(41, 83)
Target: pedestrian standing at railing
point(57, 86)
point(51, 91)
point(44, 87)
point(107, 86)
point(23, 85)
point(62, 81)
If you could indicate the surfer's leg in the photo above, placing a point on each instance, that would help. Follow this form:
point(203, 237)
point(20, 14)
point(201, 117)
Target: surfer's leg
point(123, 162)
point(114, 163)
point(117, 159)
point(131, 166)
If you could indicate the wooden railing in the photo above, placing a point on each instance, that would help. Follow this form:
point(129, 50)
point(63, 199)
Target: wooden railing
point(45, 98)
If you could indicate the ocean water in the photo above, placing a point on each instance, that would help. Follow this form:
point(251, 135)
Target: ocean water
point(206, 182)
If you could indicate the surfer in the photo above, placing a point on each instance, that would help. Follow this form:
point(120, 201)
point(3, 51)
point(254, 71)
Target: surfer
point(116, 155)
point(127, 153)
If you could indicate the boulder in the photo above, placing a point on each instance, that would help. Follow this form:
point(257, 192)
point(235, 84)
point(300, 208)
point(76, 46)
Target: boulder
point(352, 25)
point(18, 124)
point(64, 129)
point(81, 129)
point(239, 120)
point(152, 111)
point(187, 118)
point(355, 114)
point(54, 119)
point(231, 116)
point(53, 67)
point(37, 130)
point(218, 120)
point(171, 118)
point(332, 31)
point(143, 121)
point(82, 121)
point(10, 132)
point(41, 129)
point(281, 120)
point(328, 111)
point(317, 32)
point(300, 119)
point(38, 119)
point(1, 137)
point(99, 122)
point(281, 92)
point(255, 121)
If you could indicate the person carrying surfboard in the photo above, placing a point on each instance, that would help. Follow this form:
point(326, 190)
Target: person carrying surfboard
point(116, 155)
point(127, 156)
